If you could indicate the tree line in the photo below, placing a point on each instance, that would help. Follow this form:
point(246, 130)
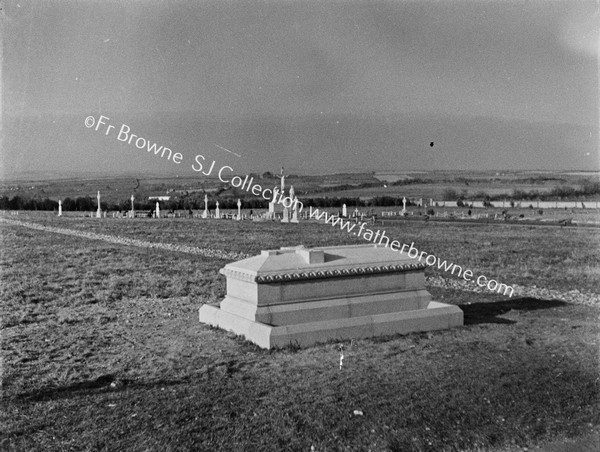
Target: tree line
point(89, 204)
point(561, 192)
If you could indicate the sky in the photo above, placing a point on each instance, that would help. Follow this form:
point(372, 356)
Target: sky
point(315, 86)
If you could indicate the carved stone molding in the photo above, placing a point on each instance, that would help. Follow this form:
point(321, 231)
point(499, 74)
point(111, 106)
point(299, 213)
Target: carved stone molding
point(320, 274)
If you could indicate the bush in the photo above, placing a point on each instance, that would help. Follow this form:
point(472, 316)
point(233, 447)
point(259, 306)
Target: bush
point(450, 194)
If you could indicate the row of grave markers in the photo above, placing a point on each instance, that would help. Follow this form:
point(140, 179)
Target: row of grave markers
point(205, 214)
point(286, 216)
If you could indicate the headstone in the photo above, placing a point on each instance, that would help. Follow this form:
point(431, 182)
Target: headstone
point(295, 211)
point(217, 211)
point(304, 296)
point(157, 210)
point(286, 208)
point(286, 214)
point(271, 213)
point(239, 214)
point(59, 208)
point(344, 211)
point(99, 210)
point(272, 203)
point(205, 213)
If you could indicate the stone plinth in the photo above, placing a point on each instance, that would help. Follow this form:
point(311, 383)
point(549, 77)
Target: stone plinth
point(305, 296)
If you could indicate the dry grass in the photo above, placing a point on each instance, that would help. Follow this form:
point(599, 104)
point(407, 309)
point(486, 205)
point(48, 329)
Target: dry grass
point(102, 348)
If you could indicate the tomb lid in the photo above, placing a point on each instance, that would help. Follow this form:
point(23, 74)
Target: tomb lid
point(293, 263)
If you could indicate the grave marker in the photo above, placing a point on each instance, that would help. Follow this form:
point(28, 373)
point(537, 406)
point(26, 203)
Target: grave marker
point(303, 296)
point(205, 213)
point(99, 210)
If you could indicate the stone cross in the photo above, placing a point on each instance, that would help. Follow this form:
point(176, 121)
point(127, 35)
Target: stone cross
point(132, 208)
point(403, 205)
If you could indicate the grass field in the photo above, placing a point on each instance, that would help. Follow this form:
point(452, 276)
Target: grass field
point(102, 348)
point(116, 189)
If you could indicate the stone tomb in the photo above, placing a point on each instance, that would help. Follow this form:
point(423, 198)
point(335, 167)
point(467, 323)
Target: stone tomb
point(305, 296)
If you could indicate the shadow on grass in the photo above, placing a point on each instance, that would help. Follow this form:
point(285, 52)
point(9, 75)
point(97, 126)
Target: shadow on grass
point(476, 313)
point(105, 383)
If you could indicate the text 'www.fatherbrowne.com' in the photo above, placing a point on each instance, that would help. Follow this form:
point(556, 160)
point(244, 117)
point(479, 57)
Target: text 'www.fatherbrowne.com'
point(381, 238)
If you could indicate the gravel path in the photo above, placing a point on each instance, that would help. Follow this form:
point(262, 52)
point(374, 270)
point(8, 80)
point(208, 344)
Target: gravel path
point(573, 296)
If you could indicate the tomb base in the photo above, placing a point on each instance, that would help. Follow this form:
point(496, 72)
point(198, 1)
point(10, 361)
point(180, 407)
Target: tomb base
point(436, 316)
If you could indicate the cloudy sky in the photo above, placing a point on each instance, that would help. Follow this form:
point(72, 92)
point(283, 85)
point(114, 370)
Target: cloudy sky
point(316, 86)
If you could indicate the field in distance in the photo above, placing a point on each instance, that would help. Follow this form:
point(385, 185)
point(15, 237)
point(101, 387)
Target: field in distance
point(424, 185)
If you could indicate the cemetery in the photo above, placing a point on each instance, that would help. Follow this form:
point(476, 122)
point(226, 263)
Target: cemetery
point(206, 319)
point(119, 315)
point(304, 226)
